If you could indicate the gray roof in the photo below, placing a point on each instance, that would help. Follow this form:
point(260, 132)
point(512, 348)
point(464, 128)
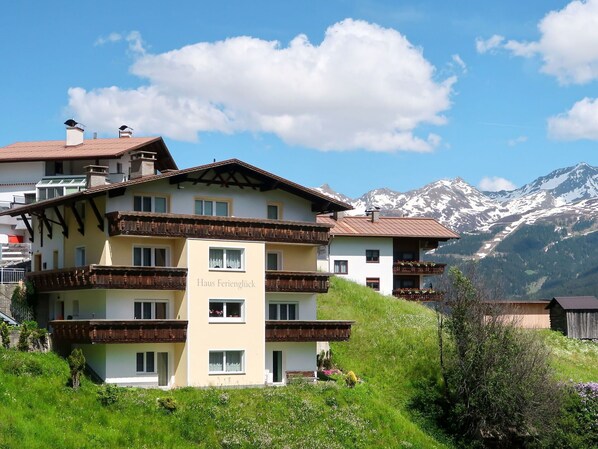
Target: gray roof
point(7, 319)
point(575, 302)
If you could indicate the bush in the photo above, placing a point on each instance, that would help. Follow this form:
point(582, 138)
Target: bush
point(169, 404)
point(5, 335)
point(351, 379)
point(76, 364)
point(27, 330)
point(108, 394)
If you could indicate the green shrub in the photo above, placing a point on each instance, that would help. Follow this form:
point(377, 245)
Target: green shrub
point(5, 335)
point(108, 394)
point(169, 404)
point(351, 379)
point(76, 364)
point(27, 330)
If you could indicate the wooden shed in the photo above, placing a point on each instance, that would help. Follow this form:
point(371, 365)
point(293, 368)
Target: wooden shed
point(574, 316)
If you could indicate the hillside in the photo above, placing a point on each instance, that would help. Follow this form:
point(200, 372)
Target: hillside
point(392, 348)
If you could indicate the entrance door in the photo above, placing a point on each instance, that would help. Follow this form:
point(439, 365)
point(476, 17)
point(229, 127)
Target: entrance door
point(162, 369)
point(276, 366)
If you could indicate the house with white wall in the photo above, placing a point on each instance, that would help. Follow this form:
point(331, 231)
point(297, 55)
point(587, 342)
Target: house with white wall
point(195, 277)
point(384, 253)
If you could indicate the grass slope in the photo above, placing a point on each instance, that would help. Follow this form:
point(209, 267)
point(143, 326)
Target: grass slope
point(392, 347)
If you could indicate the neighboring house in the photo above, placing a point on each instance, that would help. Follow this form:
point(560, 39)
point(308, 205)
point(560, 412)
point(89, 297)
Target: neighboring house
point(385, 253)
point(525, 314)
point(31, 171)
point(195, 277)
point(574, 316)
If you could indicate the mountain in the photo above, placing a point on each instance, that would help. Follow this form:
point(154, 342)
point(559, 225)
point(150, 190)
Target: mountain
point(539, 238)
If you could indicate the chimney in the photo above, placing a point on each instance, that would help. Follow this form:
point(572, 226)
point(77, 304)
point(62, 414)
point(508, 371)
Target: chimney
point(337, 215)
point(125, 131)
point(374, 214)
point(74, 133)
point(96, 175)
point(143, 163)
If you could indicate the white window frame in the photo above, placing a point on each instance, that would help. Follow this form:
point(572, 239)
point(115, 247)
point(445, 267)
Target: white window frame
point(153, 202)
point(152, 256)
point(153, 303)
point(340, 261)
point(145, 371)
point(224, 250)
point(278, 304)
point(224, 352)
point(224, 318)
point(278, 262)
point(80, 250)
point(278, 210)
point(213, 201)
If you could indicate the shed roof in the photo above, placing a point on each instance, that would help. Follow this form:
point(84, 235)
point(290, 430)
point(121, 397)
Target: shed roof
point(89, 149)
point(388, 227)
point(575, 302)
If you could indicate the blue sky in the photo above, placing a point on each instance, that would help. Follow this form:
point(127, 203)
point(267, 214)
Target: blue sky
point(358, 94)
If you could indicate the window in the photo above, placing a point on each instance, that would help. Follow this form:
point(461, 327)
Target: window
point(149, 204)
point(119, 167)
point(274, 260)
point(80, 256)
point(373, 283)
point(406, 256)
point(283, 311)
point(210, 207)
point(150, 257)
point(341, 266)
point(372, 255)
point(145, 362)
point(151, 310)
point(226, 310)
point(226, 259)
point(222, 362)
point(274, 211)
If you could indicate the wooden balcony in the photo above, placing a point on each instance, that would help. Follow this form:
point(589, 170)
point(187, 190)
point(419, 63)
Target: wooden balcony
point(119, 331)
point(297, 281)
point(416, 294)
point(109, 277)
point(318, 330)
point(198, 226)
point(417, 267)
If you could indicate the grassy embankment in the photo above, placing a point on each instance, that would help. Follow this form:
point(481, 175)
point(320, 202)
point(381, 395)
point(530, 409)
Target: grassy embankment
point(393, 346)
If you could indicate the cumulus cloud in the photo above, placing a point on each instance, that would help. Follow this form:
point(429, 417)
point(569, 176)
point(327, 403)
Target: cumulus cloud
point(579, 122)
point(495, 184)
point(362, 87)
point(489, 45)
point(517, 141)
point(568, 44)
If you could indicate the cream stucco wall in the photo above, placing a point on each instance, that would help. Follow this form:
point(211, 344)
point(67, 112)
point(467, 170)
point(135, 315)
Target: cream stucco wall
point(295, 257)
point(202, 336)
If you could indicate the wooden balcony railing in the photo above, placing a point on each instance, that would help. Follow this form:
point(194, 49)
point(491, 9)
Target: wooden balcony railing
point(318, 330)
point(297, 281)
point(416, 294)
point(417, 267)
point(198, 226)
point(119, 331)
point(109, 277)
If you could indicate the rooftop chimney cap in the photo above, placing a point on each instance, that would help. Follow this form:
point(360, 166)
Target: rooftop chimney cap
point(123, 127)
point(72, 124)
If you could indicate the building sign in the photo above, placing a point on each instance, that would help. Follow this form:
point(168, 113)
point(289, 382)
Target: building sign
point(225, 283)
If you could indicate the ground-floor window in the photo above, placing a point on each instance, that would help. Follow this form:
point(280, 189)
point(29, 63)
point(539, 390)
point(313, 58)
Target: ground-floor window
point(373, 283)
point(341, 266)
point(226, 362)
point(146, 362)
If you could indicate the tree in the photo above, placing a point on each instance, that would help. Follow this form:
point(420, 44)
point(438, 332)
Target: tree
point(77, 364)
point(498, 386)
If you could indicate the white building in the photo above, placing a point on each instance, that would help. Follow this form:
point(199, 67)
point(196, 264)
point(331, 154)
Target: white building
point(384, 253)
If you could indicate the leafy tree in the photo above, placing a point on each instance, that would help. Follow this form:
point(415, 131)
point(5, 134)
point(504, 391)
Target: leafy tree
point(5, 335)
point(498, 387)
point(77, 364)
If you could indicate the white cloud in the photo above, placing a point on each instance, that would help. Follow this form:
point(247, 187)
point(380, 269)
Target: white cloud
point(111, 38)
point(133, 38)
point(568, 44)
point(517, 141)
point(457, 60)
point(495, 184)
point(364, 87)
point(579, 122)
point(489, 45)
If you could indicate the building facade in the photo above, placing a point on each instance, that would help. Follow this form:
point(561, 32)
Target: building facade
point(385, 253)
point(196, 277)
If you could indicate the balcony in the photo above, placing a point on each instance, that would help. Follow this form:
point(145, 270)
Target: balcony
point(109, 277)
point(296, 281)
point(297, 331)
point(416, 294)
point(417, 267)
point(198, 226)
point(119, 331)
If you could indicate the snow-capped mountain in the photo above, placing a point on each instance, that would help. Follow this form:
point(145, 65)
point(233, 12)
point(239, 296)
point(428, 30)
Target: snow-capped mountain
point(462, 207)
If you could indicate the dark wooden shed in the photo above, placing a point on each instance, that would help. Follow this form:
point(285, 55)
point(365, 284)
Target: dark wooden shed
point(574, 316)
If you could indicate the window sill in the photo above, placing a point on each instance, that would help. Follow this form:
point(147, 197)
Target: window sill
point(228, 270)
point(224, 373)
point(226, 321)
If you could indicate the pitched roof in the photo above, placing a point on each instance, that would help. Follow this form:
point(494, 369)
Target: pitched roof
point(575, 302)
point(89, 149)
point(267, 181)
point(388, 227)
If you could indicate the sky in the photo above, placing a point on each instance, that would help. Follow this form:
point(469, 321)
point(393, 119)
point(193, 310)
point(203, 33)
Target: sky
point(356, 94)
